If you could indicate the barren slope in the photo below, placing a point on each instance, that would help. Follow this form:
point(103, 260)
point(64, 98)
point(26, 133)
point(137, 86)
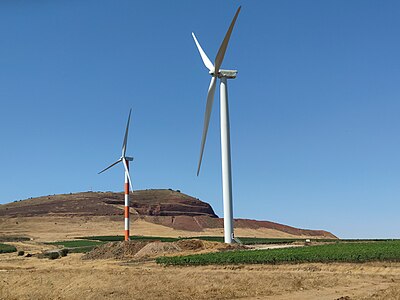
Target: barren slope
point(154, 212)
point(145, 202)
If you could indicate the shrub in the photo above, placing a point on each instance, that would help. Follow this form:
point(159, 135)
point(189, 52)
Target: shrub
point(53, 255)
point(21, 253)
point(64, 252)
point(49, 255)
point(4, 248)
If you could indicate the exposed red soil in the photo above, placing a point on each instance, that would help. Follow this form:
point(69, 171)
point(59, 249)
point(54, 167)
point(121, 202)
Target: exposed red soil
point(145, 203)
point(164, 207)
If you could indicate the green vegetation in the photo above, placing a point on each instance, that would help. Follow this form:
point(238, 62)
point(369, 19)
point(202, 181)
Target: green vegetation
point(337, 252)
point(80, 249)
point(4, 248)
point(77, 246)
point(250, 240)
point(116, 238)
point(78, 243)
point(244, 240)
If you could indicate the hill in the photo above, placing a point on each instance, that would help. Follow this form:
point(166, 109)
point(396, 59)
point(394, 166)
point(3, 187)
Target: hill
point(144, 203)
point(154, 212)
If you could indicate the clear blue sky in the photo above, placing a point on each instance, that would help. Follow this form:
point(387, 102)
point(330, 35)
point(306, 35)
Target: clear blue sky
point(314, 110)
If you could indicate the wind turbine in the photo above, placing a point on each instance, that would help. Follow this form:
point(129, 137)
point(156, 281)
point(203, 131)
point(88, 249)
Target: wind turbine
point(223, 75)
point(125, 160)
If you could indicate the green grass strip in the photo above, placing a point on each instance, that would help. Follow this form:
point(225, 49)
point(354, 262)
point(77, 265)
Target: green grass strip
point(244, 240)
point(78, 246)
point(338, 252)
point(80, 249)
point(115, 238)
point(76, 243)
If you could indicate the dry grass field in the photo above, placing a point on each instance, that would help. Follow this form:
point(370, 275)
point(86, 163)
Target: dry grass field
point(51, 228)
point(73, 278)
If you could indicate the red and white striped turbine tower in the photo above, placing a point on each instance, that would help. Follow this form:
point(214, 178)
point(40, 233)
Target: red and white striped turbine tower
point(128, 183)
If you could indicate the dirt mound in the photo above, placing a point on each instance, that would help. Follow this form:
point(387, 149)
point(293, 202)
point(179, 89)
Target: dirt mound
point(141, 249)
point(116, 250)
point(147, 249)
point(157, 249)
point(193, 244)
point(136, 249)
point(233, 247)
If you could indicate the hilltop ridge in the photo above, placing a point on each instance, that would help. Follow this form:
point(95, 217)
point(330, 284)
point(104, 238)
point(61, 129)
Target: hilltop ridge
point(154, 202)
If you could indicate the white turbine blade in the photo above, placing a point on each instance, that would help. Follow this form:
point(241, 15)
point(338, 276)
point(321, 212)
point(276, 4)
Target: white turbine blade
point(207, 62)
point(118, 161)
point(210, 101)
point(221, 52)
point(126, 134)
point(127, 172)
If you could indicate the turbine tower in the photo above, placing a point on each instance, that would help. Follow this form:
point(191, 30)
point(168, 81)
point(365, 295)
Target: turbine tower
point(125, 160)
point(223, 75)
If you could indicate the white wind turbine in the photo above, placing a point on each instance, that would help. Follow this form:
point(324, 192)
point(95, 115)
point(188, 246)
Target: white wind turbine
point(215, 72)
point(125, 160)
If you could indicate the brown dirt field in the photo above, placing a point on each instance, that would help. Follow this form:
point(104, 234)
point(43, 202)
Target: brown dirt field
point(73, 278)
point(52, 228)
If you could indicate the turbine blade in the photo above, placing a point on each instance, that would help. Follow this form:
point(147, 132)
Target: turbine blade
point(207, 62)
point(118, 161)
point(221, 52)
point(127, 172)
point(210, 101)
point(126, 134)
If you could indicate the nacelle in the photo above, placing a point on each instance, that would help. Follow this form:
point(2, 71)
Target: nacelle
point(230, 74)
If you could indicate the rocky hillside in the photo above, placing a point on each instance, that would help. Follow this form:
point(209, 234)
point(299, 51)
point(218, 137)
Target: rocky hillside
point(145, 203)
point(169, 209)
